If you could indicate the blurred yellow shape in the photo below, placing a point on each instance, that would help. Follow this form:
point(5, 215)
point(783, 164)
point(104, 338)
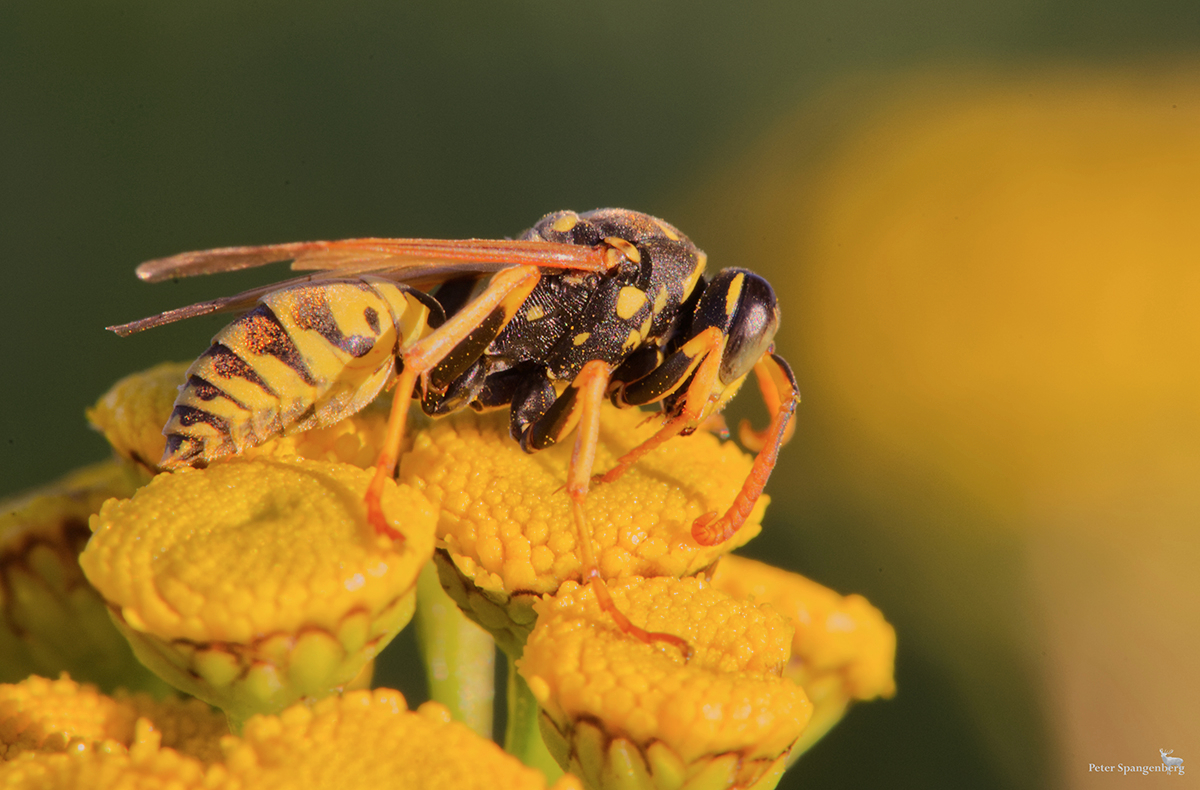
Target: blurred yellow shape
point(843, 649)
point(505, 520)
point(253, 583)
point(996, 278)
point(53, 621)
point(131, 415)
point(624, 714)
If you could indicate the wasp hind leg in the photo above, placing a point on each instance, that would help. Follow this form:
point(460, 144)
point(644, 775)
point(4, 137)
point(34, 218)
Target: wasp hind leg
point(578, 408)
point(441, 356)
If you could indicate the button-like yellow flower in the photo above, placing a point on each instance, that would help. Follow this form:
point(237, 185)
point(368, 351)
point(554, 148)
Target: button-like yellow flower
point(370, 740)
point(843, 649)
point(53, 621)
point(362, 740)
point(256, 582)
point(624, 714)
point(42, 715)
point(506, 524)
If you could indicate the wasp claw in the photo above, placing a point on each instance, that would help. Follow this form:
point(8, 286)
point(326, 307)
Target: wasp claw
point(379, 522)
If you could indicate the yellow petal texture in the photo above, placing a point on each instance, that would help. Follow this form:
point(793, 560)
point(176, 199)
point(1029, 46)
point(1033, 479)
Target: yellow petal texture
point(256, 582)
point(131, 415)
point(505, 518)
point(363, 740)
point(370, 740)
point(53, 621)
point(42, 715)
point(621, 713)
point(843, 649)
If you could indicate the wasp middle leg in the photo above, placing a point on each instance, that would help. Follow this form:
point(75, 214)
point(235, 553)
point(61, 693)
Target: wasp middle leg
point(453, 345)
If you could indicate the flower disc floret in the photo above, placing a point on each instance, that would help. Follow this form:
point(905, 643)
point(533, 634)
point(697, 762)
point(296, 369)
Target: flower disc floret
point(43, 715)
point(505, 519)
point(606, 695)
point(370, 739)
point(843, 649)
point(254, 582)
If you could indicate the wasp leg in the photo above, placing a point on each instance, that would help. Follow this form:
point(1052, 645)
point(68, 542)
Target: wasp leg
point(701, 354)
point(468, 332)
point(775, 372)
point(755, 440)
point(578, 408)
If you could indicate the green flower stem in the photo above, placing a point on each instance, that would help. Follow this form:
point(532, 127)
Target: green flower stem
point(522, 738)
point(460, 657)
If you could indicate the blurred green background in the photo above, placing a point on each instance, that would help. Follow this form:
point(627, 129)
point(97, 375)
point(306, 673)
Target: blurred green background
point(978, 217)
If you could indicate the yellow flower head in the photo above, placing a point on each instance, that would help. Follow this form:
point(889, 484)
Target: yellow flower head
point(53, 620)
point(843, 649)
point(506, 524)
point(618, 711)
point(362, 740)
point(42, 715)
point(370, 740)
point(253, 583)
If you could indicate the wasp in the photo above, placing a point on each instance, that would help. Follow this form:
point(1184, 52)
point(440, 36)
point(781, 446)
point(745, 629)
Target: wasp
point(608, 304)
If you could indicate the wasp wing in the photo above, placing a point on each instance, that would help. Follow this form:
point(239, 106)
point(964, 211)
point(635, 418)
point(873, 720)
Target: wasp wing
point(358, 256)
point(417, 262)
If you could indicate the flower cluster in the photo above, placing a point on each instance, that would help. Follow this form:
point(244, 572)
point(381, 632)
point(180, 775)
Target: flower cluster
point(257, 586)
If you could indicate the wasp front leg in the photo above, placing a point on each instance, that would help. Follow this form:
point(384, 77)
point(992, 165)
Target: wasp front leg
point(702, 356)
point(444, 353)
point(779, 387)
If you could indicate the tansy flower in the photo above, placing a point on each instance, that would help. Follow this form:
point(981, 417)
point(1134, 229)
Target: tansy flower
point(359, 740)
point(53, 620)
point(624, 714)
point(843, 649)
point(505, 531)
point(42, 715)
point(256, 582)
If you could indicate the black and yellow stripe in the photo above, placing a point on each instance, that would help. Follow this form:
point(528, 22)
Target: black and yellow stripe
point(305, 357)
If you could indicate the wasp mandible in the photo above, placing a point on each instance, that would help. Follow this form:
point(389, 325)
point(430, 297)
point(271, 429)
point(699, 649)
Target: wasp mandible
point(608, 304)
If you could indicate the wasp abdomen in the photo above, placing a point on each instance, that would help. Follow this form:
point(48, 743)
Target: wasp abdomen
point(305, 357)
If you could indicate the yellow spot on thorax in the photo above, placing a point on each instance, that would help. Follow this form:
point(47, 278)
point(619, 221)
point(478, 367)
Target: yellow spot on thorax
point(734, 292)
point(581, 338)
point(629, 301)
point(632, 341)
point(534, 313)
point(565, 222)
point(667, 230)
point(660, 301)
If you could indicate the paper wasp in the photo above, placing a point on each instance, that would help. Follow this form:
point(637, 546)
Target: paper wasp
point(582, 307)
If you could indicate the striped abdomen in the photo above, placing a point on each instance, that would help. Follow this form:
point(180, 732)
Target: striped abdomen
point(305, 357)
